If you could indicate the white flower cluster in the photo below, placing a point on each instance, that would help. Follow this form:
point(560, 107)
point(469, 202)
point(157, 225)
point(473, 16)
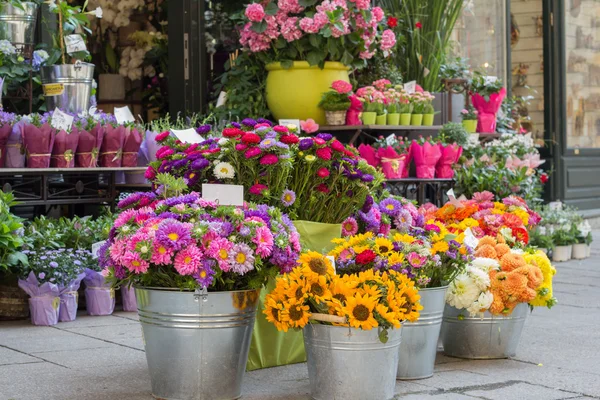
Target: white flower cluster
point(7, 48)
point(116, 14)
point(132, 59)
point(470, 290)
point(513, 142)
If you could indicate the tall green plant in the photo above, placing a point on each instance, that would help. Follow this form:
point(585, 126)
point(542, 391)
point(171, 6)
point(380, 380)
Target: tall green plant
point(427, 27)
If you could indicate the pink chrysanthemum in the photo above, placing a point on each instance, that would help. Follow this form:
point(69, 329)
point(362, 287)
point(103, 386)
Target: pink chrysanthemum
point(208, 238)
point(269, 159)
point(125, 217)
point(134, 262)
point(117, 249)
point(263, 241)
point(188, 260)
point(161, 255)
point(220, 249)
point(349, 227)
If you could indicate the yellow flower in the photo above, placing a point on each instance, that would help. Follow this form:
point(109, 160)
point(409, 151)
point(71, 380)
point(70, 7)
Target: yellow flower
point(341, 289)
point(275, 313)
point(297, 314)
point(544, 292)
point(371, 290)
point(383, 246)
point(360, 249)
point(297, 290)
point(387, 315)
point(359, 311)
point(395, 258)
point(404, 238)
point(315, 264)
point(523, 215)
point(310, 158)
point(499, 206)
point(439, 247)
point(319, 289)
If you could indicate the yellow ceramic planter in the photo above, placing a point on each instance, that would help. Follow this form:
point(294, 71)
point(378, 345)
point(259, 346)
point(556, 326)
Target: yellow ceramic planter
point(295, 92)
point(470, 125)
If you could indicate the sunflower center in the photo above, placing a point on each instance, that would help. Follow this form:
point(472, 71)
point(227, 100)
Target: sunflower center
point(384, 249)
point(223, 254)
point(299, 293)
point(361, 312)
point(340, 297)
point(275, 313)
point(173, 236)
point(240, 258)
point(296, 313)
point(317, 289)
point(318, 266)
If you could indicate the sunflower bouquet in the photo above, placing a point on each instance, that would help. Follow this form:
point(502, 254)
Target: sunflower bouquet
point(365, 300)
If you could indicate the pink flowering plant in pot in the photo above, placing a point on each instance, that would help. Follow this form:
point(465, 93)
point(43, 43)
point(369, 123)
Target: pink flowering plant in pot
point(336, 102)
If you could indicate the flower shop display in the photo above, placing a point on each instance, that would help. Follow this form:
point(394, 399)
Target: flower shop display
point(351, 322)
point(308, 46)
point(583, 235)
point(392, 109)
point(111, 150)
point(192, 253)
point(44, 301)
point(406, 109)
point(336, 102)
point(487, 95)
point(38, 141)
point(565, 229)
point(426, 155)
point(353, 113)
point(563, 245)
point(15, 152)
point(91, 135)
point(469, 118)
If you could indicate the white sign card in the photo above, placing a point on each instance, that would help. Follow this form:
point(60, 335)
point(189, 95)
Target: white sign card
point(188, 135)
point(61, 121)
point(410, 87)
point(332, 259)
point(74, 43)
point(123, 115)
point(222, 99)
point(470, 239)
point(490, 79)
point(286, 122)
point(390, 140)
point(96, 248)
point(225, 195)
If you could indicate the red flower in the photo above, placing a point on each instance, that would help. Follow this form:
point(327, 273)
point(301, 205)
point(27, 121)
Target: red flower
point(269, 159)
point(258, 189)
point(162, 136)
point(280, 129)
point(323, 172)
point(521, 234)
point(261, 125)
point(232, 132)
point(144, 201)
point(319, 141)
point(365, 257)
point(252, 152)
point(150, 173)
point(392, 22)
point(418, 25)
point(337, 145)
point(349, 154)
point(191, 149)
point(324, 153)
point(289, 139)
point(322, 188)
point(251, 138)
point(544, 178)
point(241, 147)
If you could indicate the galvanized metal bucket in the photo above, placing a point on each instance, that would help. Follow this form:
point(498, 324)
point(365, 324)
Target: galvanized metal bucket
point(348, 363)
point(68, 86)
point(16, 25)
point(196, 343)
point(482, 338)
point(420, 339)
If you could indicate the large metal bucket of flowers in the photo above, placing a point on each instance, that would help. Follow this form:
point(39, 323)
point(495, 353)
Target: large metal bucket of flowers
point(486, 337)
point(196, 344)
point(17, 24)
point(68, 86)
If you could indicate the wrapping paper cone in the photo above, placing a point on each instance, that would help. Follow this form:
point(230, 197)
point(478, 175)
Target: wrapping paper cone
point(38, 144)
point(269, 347)
point(131, 147)
point(111, 151)
point(5, 131)
point(129, 300)
point(353, 113)
point(68, 300)
point(450, 155)
point(487, 110)
point(15, 152)
point(409, 158)
point(44, 303)
point(88, 147)
point(99, 296)
point(367, 152)
point(63, 151)
point(426, 157)
point(393, 168)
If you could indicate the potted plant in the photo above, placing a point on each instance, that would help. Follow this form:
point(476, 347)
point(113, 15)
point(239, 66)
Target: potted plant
point(428, 109)
point(392, 97)
point(350, 318)
point(69, 49)
point(469, 119)
point(487, 94)
point(406, 109)
point(418, 102)
point(582, 232)
point(199, 266)
point(308, 46)
point(563, 245)
point(18, 21)
point(538, 238)
point(373, 104)
point(336, 102)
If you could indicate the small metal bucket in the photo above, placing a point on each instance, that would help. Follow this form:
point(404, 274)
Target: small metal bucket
point(420, 339)
point(16, 25)
point(348, 363)
point(196, 343)
point(68, 86)
point(482, 338)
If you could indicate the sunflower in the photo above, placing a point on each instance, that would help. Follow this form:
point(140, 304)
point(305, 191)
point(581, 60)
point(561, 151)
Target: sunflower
point(439, 247)
point(275, 313)
point(315, 264)
point(383, 246)
point(297, 314)
point(371, 290)
point(297, 289)
point(404, 238)
point(388, 316)
point(318, 289)
point(359, 311)
point(341, 289)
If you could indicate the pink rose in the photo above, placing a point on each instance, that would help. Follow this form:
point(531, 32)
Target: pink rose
point(342, 87)
point(255, 12)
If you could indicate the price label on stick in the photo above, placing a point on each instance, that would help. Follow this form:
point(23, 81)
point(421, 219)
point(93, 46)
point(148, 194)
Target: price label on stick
point(188, 135)
point(390, 140)
point(123, 115)
point(225, 195)
point(96, 247)
point(61, 121)
point(286, 122)
point(74, 43)
point(410, 87)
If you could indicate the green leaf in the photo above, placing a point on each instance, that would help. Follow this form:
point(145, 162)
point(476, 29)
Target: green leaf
point(259, 27)
point(326, 31)
point(383, 336)
point(281, 43)
point(314, 57)
point(271, 8)
point(111, 58)
point(347, 58)
point(314, 40)
point(286, 64)
point(307, 3)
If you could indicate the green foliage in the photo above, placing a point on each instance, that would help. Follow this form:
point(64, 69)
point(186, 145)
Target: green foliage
point(563, 237)
point(171, 186)
point(485, 87)
point(539, 240)
point(11, 236)
point(334, 101)
point(456, 68)
point(379, 67)
point(71, 20)
point(379, 108)
point(428, 108)
point(454, 132)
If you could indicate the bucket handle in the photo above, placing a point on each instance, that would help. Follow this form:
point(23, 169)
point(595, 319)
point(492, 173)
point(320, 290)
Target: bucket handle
point(328, 318)
point(78, 65)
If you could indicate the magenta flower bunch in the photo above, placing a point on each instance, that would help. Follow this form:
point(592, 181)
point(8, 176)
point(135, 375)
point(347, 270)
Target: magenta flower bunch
point(186, 242)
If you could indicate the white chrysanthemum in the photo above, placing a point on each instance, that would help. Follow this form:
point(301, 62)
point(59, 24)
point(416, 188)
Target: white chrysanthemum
point(223, 141)
point(462, 292)
point(224, 170)
point(479, 277)
point(485, 264)
point(485, 300)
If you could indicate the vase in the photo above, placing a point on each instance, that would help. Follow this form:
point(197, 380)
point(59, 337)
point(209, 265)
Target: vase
point(196, 343)
point(562, 253)
point(487, 337)
point(393, 119)
point(579, 251)
point(18, 25)
point(368, 117)
point(416, 119)
point(470, 125)
point(381, 119)
point(68, 86)
point(405, 119)
point(294, 93)
point(111, 87)
point(428, 119)
point(335, 117)
point(419, 339)
point(349, 363)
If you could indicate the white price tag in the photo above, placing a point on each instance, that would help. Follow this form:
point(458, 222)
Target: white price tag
point(123, 115)
point(74, 43)
point(188, 135)
point(332, 259)
point(96, 248)
point(61, 121)
point(225, 195)
point(222, 99)
point(555, 205)
point(390, 140)
point(452, 199)
point(490, 79)
point(470, 239)
point(286, 122)
point(410, 87)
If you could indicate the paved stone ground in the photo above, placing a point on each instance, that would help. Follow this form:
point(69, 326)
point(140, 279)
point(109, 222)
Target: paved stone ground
point(97, 358)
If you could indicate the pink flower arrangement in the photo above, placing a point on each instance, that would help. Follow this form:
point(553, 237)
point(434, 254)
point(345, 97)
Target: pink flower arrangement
point(255, 12)
point(342, 87)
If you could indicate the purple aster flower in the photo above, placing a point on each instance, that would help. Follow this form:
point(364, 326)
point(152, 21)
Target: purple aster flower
point(53, 264)
point(173, 234)
point(325, 136)
point(267, 143)
point(285, 259)
point(236, 125)
point(203, 129)
point(452, 254)
point(241, 259)
point(191, 178)
point(403, 220)
point(305, 144)
point(390, 206)
point(200, 163)
point(129, 200)
point(453, 244)
point(245, 231)
point(282, 145)
point(368, 204)
point(288, 197)
point(270, 134)
point(205, 273)
point(249, 122)
point(177, 164)
point(419, 221)
point(264, 121)
point(367, 178)
point(41, 275)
